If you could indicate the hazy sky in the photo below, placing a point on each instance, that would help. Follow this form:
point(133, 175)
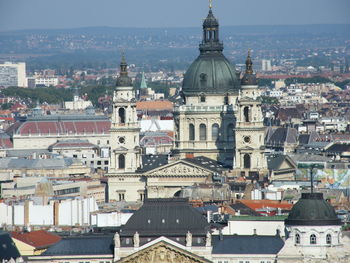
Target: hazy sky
point(29, 14)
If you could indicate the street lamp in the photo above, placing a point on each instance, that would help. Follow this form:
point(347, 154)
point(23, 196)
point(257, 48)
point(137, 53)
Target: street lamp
point(311, 167)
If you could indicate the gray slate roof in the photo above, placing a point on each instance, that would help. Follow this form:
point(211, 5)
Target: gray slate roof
point(82, 245)
point(36, 163)
point(254, 244)
point(166, 217)
point(8, 249)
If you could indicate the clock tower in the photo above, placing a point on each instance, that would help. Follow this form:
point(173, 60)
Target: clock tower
point(249, 131)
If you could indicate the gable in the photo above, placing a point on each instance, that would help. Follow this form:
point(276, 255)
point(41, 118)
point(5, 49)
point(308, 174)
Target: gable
point(180, 168)
point(163, 252)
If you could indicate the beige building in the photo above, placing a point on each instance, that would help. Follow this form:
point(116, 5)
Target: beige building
point(249, 131)
point(125, 130)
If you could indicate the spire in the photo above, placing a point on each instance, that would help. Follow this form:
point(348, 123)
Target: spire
point(143, 84)
point(123, 66)
point(249, 78)
point(124, 80)
point(210, 42)
point(249, 64)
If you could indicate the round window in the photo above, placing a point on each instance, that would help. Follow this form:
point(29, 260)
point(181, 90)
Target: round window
point(121, 139)
point(246, 139)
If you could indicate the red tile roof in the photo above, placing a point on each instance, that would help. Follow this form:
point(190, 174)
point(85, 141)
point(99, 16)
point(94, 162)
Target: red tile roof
point(37, 239)
point(154, 105)
point(259, 204)
point(64, 127)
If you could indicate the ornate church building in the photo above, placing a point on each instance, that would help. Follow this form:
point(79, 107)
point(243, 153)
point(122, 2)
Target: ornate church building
point(218, 125)
point(220, 117)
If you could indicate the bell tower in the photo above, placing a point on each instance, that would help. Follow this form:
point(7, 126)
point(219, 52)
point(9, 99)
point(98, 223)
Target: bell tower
point(250, 131)
point(125, 150)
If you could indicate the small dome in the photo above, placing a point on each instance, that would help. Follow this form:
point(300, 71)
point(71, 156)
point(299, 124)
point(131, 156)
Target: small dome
point(312, 210)
point(210, 73)
point(210, 21)
point(44, 188)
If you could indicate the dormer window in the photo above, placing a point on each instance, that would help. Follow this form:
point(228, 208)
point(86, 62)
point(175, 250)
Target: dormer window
point(329, 239)
point(202, 98)
point(297, 239)
point(313, 239)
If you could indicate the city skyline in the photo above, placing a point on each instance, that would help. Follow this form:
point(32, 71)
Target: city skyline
point(38, 14)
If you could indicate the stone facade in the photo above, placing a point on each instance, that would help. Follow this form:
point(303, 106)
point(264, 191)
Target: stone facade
point(125, 130)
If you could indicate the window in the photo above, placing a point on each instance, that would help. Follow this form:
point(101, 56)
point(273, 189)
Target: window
point(313, 239)
point(121, 197)
point(191, 132)
point(202, 132)
point(297, 239)
point(246, 161)
point(121, 114)
point(215, 132)
point(246, 114)
point(202, 98)
point(329, 239)
point(121, 161)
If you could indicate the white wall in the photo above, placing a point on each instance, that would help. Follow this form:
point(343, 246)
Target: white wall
point(112, 219)
point(246, 227)
point(5, 214)
point(18, 215)
point(40, 214)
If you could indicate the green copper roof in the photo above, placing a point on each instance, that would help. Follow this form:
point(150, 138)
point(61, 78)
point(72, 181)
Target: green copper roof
point(312, 210)
point(211, 72)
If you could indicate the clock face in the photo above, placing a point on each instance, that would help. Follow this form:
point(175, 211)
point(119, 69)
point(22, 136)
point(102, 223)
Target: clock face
point(121, 139)
point(246, 139)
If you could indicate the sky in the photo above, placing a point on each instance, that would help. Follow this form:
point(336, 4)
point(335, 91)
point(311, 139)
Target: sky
point(48, 14)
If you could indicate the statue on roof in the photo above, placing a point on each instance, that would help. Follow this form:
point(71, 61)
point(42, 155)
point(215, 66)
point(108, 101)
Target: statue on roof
point(188, 239)
point(136, 239)
point(116, 239)
point(208, 240)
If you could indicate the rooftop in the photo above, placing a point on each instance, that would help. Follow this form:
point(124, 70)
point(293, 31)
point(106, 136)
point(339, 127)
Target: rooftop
point(38, 239)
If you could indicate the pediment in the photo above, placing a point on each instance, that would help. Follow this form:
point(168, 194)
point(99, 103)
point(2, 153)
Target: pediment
point(163, 252)
point(180, 168)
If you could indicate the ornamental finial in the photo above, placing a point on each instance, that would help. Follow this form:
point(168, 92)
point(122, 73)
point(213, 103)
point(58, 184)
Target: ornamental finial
point(210, 4)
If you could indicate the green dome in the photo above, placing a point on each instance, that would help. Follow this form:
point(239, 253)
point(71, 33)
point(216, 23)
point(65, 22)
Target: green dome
point(210, 73)
point(312, 210)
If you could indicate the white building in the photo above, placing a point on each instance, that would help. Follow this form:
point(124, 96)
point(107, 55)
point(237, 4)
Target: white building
point(77, 104)
point(46, 81)
point(13, 74)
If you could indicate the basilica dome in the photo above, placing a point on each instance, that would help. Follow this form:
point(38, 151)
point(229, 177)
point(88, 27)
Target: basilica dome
point(312, 210)
point(211, 72)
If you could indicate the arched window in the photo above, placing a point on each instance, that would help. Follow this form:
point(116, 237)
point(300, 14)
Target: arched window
point(246, 161)
point(215, 132)
point(297, 239)
point(121, 161)
point(202, 132)
point(202, 98)
point(191, 132)
point(313, 239)
point(121, 113)
point(329, 239)
point(230, 135)
point(246, 114)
